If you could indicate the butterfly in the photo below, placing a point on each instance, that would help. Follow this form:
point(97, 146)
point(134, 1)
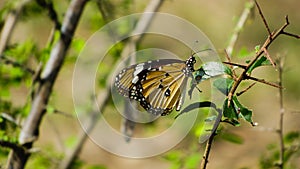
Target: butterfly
point(159, 85)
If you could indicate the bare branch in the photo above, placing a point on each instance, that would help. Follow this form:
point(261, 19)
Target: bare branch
point(269, 57)
point(9, 118)
point(51, 12)
point(239, 26)
point(290, 34)
point(10, 23)
point(245, 90)
point(263, 18)
point(263, 81)
point(236, 64)
point(280, 130)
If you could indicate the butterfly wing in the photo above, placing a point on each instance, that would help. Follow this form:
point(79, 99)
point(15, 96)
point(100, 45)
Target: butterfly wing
point(159, 85)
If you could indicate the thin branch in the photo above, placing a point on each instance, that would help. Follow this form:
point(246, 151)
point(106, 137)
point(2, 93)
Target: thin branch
point(245, 90)
point(9, 118)
point(65, 114)
point(239, 26)
point(234, 75)
point(269, 57)
point(9, 61)
point(207, 151)
point(263, 18)
point(291, 35)
point(30, 130)
point(10, 23)
point(263, 81)
point(236, 64)
point(51, 12)
point(13, 146)
point(280, 130)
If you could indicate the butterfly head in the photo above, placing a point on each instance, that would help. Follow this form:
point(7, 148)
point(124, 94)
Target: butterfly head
point(199, 73)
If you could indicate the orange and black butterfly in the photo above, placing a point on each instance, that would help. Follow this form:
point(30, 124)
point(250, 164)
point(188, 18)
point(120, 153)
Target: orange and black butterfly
point(159, 85)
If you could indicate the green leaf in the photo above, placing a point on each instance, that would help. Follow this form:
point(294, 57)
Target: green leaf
point(244, 52)
point(230, 111)
point(212, 69)
point(233, 138)
point(291, 136)
point(257, 48)
point(228, 71)
point(245, 113)
point(259, 62)
point(223, 84)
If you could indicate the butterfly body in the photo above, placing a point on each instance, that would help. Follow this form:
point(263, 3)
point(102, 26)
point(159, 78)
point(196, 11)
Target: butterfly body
point(159, 85)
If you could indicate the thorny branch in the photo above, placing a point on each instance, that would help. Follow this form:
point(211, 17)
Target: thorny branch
point(262, 50)
point(243, 76)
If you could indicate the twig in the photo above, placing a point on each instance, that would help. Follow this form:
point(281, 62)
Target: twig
point(207, 151)
point(239, 26)
point(13, 146)
point(229, 62)
point(9, 118)
point(263, 81)
point(30, 130)
point(245, 90)
point(16, 64)
point(10, 23)
point(291, 35)
point(263, 18)
point(236, 64)
point(269, 57)
point(51, 12)
point(280, 130)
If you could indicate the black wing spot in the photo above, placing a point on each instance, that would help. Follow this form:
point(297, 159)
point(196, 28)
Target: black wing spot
point(167, 74)
point(168, 92)
point(160, 86)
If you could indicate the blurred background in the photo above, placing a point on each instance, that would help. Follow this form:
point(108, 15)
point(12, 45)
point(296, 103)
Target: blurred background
point(217, 19)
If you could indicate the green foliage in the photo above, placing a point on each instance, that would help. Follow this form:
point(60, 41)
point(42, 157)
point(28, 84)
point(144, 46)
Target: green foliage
point(44, 159)
point(236, 110)
point(184, 160)
point(223, 85)
point(262, 61)
point(244, 52)
point(270, 158)
point(31, 9)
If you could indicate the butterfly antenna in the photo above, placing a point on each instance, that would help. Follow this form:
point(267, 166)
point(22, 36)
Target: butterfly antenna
point(199, 51)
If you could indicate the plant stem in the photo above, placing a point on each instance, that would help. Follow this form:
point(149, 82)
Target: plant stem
point(280, 130)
